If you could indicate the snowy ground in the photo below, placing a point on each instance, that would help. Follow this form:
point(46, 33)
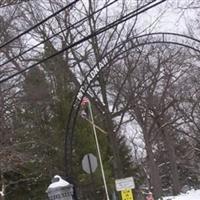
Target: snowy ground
point(190, 195)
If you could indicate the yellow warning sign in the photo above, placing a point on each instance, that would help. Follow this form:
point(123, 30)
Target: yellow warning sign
point(127, 194)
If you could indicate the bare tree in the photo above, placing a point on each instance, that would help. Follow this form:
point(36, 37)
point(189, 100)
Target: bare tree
point(76, 62)
point(5, 3)
point(154, 91)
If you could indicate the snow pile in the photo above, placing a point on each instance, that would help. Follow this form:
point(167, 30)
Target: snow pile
point(59, 183)
point(190, 195)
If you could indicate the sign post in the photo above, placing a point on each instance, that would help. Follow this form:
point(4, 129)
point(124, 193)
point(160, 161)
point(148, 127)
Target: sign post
point(124, 183)
point(89, 165)
point(127, 194)
point(125, 186)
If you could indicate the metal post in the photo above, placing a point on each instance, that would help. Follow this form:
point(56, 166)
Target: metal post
point(98, 151)
point(91, 176)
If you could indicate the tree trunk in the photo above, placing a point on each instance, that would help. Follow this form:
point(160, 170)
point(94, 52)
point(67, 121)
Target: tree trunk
point(153, 170)
point(172, 159)
point(168, 141)
point(117, 167)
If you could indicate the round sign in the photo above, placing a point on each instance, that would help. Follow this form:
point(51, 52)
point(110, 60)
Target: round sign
point(89, 163)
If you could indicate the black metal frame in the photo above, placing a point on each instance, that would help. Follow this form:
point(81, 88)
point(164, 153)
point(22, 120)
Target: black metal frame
point(142, 40)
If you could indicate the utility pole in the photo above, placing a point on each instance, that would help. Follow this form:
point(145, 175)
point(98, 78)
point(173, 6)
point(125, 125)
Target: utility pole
point(98, 150)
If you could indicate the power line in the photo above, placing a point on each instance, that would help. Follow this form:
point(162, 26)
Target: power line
point(38, 24)
point(65, 29)
point(101, 30)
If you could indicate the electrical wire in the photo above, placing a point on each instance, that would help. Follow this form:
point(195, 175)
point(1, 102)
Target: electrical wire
point(115, 23)
point(38, 24)
point(65, 29)
point(101, 30)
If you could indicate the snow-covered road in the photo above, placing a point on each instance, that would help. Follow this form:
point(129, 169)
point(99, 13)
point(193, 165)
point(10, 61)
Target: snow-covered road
point(190, 195)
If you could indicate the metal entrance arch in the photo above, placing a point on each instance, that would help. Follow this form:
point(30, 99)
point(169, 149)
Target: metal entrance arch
point(142, 40)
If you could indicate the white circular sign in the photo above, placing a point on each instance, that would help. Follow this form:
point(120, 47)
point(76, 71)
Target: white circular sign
point(89, 163)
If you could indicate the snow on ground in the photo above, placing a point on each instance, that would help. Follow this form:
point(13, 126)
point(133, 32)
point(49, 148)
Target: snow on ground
point(190, 195)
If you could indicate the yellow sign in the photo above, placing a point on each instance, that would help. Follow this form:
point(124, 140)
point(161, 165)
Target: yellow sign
point(127, 194)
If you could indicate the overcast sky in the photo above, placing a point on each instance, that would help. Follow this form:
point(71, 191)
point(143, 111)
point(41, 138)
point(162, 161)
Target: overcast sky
point(172, 18)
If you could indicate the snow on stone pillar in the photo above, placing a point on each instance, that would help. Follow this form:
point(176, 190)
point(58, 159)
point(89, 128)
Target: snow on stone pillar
point(60, 189)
